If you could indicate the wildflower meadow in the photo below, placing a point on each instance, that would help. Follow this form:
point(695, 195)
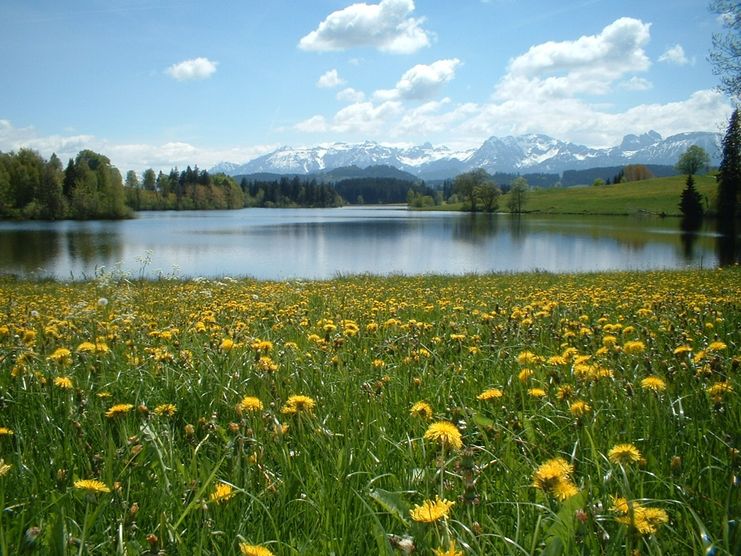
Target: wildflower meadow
point(496, 414)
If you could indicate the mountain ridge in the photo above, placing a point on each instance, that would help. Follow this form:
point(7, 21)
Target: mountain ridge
point(522, 153)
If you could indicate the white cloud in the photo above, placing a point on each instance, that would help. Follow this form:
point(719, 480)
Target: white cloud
point(544, 90)
point(350, 95)
point(197, 68)
point(330, 79)
point(674, 55)
point(385, 26)
point(421, 81)
point(587, 65)
point(315, 124)
point(636, 84)
point(125, 156)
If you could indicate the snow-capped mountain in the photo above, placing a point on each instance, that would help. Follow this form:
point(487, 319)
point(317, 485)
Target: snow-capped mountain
point(524, 153)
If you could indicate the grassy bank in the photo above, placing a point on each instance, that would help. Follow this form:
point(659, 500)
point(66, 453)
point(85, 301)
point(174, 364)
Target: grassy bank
point(328, 417)
point(656, 196)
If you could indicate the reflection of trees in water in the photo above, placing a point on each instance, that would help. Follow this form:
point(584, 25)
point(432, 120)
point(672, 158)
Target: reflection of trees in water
point(688, 237)
point(31, 250)
point(728, 245)
point(475, 227)
point(518, 228)
point(89, 247)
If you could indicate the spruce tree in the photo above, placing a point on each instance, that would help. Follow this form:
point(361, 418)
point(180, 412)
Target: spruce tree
point(691, 205)
point(730, 171)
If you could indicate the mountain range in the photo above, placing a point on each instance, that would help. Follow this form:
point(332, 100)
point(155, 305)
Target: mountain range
point(529, 153)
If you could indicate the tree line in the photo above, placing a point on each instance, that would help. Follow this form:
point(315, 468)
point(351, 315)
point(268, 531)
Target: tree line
point(34, 188)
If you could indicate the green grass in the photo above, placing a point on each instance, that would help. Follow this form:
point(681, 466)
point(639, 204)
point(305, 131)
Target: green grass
point(655, 196)
point(342, 478)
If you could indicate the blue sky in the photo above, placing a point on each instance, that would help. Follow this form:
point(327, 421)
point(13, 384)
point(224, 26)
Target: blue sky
point(166, 83)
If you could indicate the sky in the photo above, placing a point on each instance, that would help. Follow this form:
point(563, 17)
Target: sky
point(172, 83)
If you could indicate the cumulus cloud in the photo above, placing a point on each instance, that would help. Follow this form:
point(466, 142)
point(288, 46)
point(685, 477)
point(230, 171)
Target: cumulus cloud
point(386, 26)
point(197, 68)
point(330, 79)
point(544, 90)
point(421, 81)
point(125, 156)
point(589, 64)
point(674, 55)
point(350, 95)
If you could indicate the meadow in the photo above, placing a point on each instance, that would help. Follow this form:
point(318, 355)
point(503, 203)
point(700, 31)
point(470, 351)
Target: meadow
point(658, 196)
point(493, 414)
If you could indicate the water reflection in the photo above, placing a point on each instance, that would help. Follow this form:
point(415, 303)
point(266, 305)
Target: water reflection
point(320, 243)
point(476, 228)
point(728, 244)
point(29, 250)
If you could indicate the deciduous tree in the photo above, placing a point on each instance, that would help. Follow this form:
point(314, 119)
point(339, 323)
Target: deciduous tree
point(726, 53)
point(694, 159)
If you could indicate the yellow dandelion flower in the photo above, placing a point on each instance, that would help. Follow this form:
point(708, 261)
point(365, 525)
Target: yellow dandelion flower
point(254, 550)
point(524, 375)
point(63, 382)
point(490, 394)
point(643, 519)
point(718, 390)
point(222, 492)
point(265, 363)
point(119, 410)
point(528, 358)
point(565, 392)
point(624, 454)
point(299, 404)
point(263, 346)
point(445, 433)
point(653, 383)
point(227, 344)
point(249, 404)
point(61, 355)
point(717, 346)
point(451, 551)
point(5, 431)
point(681, 350)
point(609, 341)
point(86, 347)
point(579, 408)
point(4, 468)
point(166, 409)
point(536, 392)
point(634, 347)
point(421, 409)
point(92, 486)
point(431, 510)
point(554, 477)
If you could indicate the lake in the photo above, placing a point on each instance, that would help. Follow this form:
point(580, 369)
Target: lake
point(324, 243)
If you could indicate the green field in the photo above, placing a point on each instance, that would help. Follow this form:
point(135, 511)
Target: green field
point(499, 414)
point(656, 196)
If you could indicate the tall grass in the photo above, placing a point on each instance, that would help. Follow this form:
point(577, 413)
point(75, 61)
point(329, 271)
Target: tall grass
point(342, 477)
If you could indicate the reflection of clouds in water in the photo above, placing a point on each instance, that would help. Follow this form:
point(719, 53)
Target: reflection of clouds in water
point(321, 243)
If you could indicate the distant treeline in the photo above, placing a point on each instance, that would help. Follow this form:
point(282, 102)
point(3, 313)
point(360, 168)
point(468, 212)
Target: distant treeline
point(298, 192)
point(379, 191)
point(613, 174)
point(34, 188)
point(289, 192)
point(191, 189)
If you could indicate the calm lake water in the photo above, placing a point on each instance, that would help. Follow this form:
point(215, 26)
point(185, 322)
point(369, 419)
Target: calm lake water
point(323, 243)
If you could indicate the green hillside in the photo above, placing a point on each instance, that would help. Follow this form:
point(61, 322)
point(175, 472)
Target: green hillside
point(656, 196)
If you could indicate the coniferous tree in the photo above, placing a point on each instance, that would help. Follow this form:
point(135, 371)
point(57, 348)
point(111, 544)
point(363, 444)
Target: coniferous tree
point(690, 205)
point(729, 175)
